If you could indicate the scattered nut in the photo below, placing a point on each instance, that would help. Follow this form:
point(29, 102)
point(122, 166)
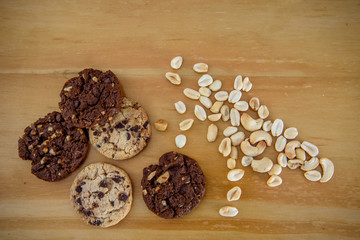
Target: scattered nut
point(262, 166)
point(191, 93)
point(186, 124)
point(235, 175)
point(176, 62)
point(237, 138)
point(67, 89)
point(225, 147)
point(174, 78)
point(234, 96)
point(205, 80)
point(225, 113)
point(231, 163)
point(246, 161)
point(247, 85)
point(328, 169)
point(290, 149)
point(212, 133)
point(234, 153)
point(310, 148)
point(230, 130)
point(250, 150)
point(204, 91)
point(228, 211)
point(254, 103)
point(238, 83)
point(282, 159)
point(310, 164)
point(275, 170)
point(151, 175)
point(241, 106)
point(300, 154)
point(205, 101)
point(200, 67)
point(221, 96)
point(263, 112)
point(215, 86)
point(291, 133)
point(200, 113)
point(249, 123)
point(180, 140)
point(234, 117)
point(295, 163)
point(260, 135)
point(313, 175)
point(180, 107)
point(161, 125)
point(214, 117)
point(280, 143)
point(163, 177)
point(52, 152)
point(215, 108)
point(277, 127)
point(233, 194)
point(274, 181)
point(267, 126)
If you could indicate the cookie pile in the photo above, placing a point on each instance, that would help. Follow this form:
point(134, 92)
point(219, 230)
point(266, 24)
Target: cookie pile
point(57, 144)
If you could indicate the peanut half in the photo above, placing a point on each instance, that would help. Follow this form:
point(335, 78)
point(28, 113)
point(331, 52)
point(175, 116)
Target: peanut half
point(234, 194)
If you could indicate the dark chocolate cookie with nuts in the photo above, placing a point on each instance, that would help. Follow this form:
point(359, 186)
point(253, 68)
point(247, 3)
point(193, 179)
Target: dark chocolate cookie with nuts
point(102, 194)
point(55, 149)
point(90, 99)
point(125, 135)
point(174, 187)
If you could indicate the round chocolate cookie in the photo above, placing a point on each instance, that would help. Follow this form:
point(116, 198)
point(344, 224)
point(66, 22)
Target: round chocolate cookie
point(90, 99)
point(125, 135)
point(174, 187)
point(101, 194)
point(55, 149)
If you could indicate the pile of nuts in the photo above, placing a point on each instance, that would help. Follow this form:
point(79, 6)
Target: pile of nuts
point(292, 153)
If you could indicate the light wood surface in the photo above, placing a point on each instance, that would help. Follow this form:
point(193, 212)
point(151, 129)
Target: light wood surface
point(303, 60)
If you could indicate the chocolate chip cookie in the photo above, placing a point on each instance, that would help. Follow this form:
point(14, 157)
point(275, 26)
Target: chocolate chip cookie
point(55, 148)
point(90, 99)
point(125, 135)
point(174, 187)
point(101, 194)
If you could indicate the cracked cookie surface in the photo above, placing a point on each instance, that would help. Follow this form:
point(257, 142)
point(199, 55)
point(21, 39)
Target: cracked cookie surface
point(125, 135)
point(102, 194)
point(90, 99)
point(174, 187)
point(55, 148)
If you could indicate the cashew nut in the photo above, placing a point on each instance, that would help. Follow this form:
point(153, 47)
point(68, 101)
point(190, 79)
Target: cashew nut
point(310, 148)
point(290, 149)
point(249, 123)
point(250, 150)
point(263, 165)
point(310, 164)
point(275, 170)
point(328, 169)
point(260, 135)
point(246, 161)
point(295, 163)
point(274, 181)
point(313, 175)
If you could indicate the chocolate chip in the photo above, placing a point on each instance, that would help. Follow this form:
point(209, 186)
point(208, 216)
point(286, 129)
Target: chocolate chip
point(147, 139)
point(111, 130)
point(104, 129)
point(101, 194)
point(127, 136)
point(125, 121)
point(123, 197)
point(97, 133)
point(107, 80)
point(96, 222)
point(83, 183)
point(112, 203)
point(119, 125)
point(103, 184)
point(86, 212)
point(58, 118)
point(76, 103)
point(116, 179)
point(98, 146)
point(106, 139)
point(127, 186)
point(78, 189)
point(135, 128)
point(146, 124)
point(95, 205)
point(79, 201)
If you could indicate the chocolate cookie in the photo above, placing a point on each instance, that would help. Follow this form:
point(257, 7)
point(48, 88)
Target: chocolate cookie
point(174, 187)
point(125, 135)
point(90, 99)
point(101, 194)
point(54, 148)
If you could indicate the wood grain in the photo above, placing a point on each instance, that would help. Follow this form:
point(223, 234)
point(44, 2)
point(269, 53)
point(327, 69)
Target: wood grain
point(303, 58)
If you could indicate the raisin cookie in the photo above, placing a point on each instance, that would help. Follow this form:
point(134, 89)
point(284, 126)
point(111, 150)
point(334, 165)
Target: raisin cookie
point(55, 149)
point(90, 99)
point(174, 187)
point(125, 135)
point(102, 194)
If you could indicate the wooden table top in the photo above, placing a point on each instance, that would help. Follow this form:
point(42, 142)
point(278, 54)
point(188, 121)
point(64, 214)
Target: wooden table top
point(303, 58)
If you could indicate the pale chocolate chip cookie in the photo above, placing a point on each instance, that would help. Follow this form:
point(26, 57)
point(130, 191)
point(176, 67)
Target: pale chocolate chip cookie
point(102, 194)
point(125, 135)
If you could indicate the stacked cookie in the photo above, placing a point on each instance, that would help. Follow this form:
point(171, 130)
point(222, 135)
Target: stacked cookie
point(57, 144)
